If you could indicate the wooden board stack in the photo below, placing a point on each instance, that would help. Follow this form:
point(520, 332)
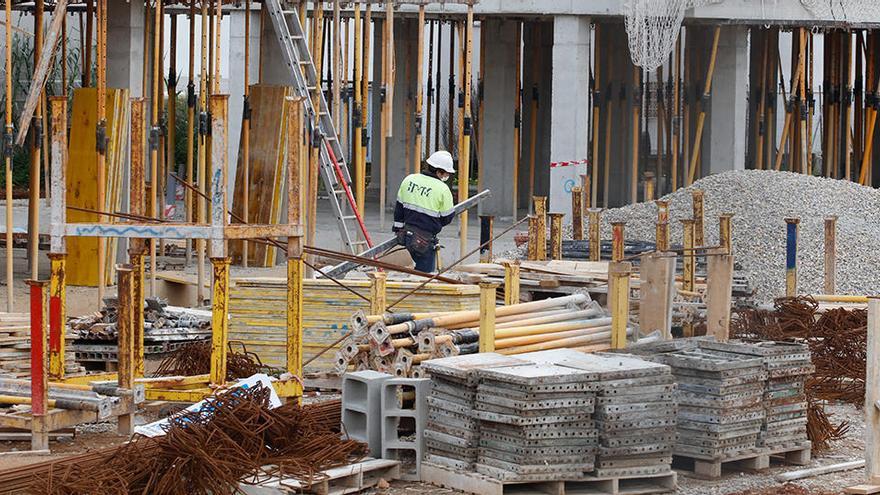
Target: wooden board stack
point(82, 189)
point(15, 348)
point(268, 160)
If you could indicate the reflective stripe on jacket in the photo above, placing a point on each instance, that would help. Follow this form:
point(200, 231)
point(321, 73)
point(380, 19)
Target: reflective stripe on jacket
point(424, 202)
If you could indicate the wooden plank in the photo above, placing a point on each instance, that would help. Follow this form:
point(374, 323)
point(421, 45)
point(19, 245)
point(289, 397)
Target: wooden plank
point(267, 142)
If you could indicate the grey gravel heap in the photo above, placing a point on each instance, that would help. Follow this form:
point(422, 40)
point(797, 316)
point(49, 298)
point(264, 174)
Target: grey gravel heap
point(760, 201)
point(452, 431)
point(788, 366)
point(536, 422)
point(719, 397)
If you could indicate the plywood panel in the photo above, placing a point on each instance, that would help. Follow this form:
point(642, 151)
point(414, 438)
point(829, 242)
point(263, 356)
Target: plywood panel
point(82, 171)
point(268, 144)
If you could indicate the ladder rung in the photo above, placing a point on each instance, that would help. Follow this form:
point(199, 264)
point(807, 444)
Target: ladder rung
point(330, 138)
point(287, 12)
point(296, 36)
point(338, 191)
point(304, 62)
point(348, 217)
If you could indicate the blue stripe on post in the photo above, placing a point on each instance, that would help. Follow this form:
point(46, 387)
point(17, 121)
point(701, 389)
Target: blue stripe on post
point(791, 246)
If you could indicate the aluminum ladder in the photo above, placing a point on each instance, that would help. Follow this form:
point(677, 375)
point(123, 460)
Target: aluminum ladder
point(334, 170)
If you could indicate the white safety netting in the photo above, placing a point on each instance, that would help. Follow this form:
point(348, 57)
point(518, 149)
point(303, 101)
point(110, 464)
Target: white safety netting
point(844, 10)
point(652, 26)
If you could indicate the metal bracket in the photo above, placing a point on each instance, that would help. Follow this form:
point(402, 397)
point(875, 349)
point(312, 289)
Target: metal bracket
point(203, 123)
point(517, 119)
point(101, 137)
point(7, 143)
point(191, 95)
point(418, 124)
point(154, 138)
point(38, 130)
point(467, 126)
point(246, 110)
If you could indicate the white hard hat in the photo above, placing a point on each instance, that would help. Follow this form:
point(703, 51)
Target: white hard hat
point(442, 160)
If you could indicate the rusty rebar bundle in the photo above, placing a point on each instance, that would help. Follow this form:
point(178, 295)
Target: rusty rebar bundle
point(242, 440)
point(195, 359)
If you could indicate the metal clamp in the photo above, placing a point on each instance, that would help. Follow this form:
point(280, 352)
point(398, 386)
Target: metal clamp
point(101, 137)
point(203, 123)
point(246, 110)
point(468, 126)
point(418, 124)
point(38, 130)
point(7, 143)
point(191, 95)
point(154, 138)
point(517, 119)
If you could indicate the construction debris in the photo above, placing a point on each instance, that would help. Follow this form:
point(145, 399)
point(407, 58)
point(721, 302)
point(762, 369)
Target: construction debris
point(15, 348)
point(166, 328)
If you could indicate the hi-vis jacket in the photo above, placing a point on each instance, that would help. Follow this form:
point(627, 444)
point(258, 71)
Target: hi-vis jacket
point(423, 202)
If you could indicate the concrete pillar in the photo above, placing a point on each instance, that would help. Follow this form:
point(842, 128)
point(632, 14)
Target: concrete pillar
point(400, 145)
point(235, 86)
point(728, 115)
point(617, 100)
point(500, 91)
point(274, 70)
point(569, 103)
point(125, 46)
point(537, 60)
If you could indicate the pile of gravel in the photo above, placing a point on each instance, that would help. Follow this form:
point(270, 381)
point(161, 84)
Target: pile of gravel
point(760, 201)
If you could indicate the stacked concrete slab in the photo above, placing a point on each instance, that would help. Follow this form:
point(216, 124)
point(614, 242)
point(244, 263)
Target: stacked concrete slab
point(536, 423)
point(719, 398)
point(452, 433)
point(635, 411)
point(788, 365)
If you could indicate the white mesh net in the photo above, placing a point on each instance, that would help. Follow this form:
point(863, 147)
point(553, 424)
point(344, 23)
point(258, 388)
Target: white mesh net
point(844, 10)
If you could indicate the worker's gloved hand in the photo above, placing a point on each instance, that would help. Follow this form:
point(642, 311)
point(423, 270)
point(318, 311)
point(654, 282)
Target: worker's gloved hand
point(396, 229)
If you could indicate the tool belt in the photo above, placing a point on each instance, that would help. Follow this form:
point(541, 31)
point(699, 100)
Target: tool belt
point(415, 240)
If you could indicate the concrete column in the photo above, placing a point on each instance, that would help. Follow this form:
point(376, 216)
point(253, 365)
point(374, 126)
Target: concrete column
point(125, 46)
point(729, 103)
point(274, 69)
point(235, 86)
point(405, 34)
point(499, 83)
point(569, 103)
point(537, 60)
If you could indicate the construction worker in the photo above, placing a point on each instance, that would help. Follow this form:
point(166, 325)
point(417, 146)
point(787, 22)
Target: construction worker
point(424, 206)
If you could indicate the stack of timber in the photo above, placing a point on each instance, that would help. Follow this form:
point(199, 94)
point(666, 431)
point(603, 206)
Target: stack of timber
point(397, 343)
point(536, 423)
point(82, 188)
point(537, 434)
point(15, 348)
point(268, 160)
point(452, 433)
point(788, 365)
point(166, 328)
point(537, 278)
point(258, 318)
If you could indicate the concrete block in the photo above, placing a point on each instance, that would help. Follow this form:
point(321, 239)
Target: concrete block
point(362, 407)
point(404, 417)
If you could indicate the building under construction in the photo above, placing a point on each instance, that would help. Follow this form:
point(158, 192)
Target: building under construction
point(673, 276)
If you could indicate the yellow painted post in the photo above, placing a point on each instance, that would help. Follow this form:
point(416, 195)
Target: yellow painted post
point(57, 314)
point(688, 266)
point(541, 227)
point(662, 210)
point(617, 244)
point(556, 235)
point(830, 254)
point(725, 240)
point(533, 238)
point(577, 213)
point(595, 236)
point(649, 186)
point(618, 278)
point(698, 196)
point(487, 316)
point(295, 269)
point(136, 259)
point(662, 233)
point(791, 249)
point(377, 292)
point(511, 283)
point(219, 320)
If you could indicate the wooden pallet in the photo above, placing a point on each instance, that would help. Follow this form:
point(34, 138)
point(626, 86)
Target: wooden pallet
point(353, 478)
point(484, 485)
point(757, 459)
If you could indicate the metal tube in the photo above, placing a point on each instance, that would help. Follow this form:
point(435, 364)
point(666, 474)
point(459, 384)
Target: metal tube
point(511, 282)
point(556, 235)
point(524, 330)
point(577, 213)
point(617, 241)
point(791, 242)
point(464, 155)
point(536, 338)
point(595, 237)
point(219, 320)
point(540, 238)
point(830, 254)
point(618, 280)
point(725, 238)
point(698, 196)
point(377, 291)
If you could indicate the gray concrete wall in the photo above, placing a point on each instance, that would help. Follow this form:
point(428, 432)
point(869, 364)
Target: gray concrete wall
point(235, 83)
point(401, 143)
point(537, 61)
point(273, 68)
point(125, 46)
point(729, 103)
point(499, 100)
